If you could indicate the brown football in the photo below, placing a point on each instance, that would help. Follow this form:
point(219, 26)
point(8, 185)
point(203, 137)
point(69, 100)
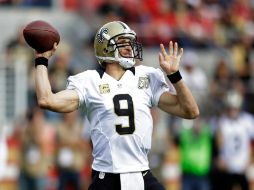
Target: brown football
point(41, 36)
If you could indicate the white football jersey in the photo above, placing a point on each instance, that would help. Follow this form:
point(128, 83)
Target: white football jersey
point(119, 114)
point(237, 135)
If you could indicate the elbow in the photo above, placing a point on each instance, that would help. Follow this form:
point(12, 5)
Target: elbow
point(44, 103)
point(194, 113)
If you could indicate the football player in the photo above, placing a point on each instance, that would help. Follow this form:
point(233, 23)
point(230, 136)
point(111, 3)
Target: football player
point(116, 99)
point(234, 137)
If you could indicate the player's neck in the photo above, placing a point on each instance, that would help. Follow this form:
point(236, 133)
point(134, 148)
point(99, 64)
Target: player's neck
point(115, 70)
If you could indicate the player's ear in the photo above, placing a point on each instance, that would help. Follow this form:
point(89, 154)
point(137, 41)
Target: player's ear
point(55, 46)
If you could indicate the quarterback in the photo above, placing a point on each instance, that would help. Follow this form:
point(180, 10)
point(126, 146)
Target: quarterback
point(116, 99)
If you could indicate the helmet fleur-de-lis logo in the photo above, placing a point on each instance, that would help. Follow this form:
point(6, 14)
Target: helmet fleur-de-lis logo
point(100, 35)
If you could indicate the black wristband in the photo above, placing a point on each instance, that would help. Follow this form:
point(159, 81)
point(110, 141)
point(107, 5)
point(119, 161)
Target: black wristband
point(175, 77)
point(41, 61)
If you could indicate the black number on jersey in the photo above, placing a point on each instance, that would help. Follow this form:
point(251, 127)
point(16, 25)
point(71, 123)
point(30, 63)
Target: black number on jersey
point(237, 144)
point(129, 111)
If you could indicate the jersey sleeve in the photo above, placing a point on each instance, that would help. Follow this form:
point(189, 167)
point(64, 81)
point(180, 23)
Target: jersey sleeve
point(76, 83)
point(159, 86)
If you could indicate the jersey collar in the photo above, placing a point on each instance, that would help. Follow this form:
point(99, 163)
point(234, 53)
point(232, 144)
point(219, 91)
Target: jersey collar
point(101, 70)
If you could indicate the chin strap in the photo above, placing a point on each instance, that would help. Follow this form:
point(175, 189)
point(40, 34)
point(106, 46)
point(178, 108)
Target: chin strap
point(126, 62)
point(123, 61)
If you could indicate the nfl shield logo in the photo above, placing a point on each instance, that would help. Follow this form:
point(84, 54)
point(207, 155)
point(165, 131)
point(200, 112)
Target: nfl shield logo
point(143, 82)
point(101, 175)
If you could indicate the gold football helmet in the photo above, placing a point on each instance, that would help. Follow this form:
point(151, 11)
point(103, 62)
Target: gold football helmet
point(106, 44)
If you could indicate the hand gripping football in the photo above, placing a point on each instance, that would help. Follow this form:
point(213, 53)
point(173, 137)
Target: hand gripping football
point(41, 36)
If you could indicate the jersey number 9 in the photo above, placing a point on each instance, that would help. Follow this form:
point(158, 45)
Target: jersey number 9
point(129, 112)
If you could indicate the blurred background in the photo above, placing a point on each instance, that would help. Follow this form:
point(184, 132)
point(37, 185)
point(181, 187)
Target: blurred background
point(43, 150)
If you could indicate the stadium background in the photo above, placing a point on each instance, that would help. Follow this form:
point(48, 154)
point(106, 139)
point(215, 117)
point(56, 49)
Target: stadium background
point(214, 33)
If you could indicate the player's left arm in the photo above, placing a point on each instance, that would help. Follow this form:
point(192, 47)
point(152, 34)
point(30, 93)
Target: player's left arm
point(183, 103)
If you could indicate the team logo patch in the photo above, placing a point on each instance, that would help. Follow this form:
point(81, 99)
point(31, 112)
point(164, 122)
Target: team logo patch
point(143, 82)
point(104, 88)
point(100, 35)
